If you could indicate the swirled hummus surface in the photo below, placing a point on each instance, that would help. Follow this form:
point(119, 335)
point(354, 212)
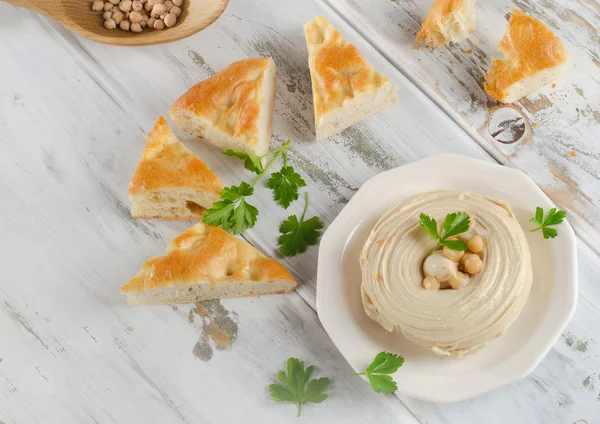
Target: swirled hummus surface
point(449, 322)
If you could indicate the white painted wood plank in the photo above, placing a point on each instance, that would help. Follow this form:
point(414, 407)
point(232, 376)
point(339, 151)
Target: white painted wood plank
point(96, 145)
point(70, 349)
point(335, 169)
point(560, 151)
point(564, 387)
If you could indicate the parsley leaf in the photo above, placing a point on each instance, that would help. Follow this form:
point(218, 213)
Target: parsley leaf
point(251, 162)
point(244, 217)
point(554, 217)
point(539, 215)
point(235, 192)
point(220, 214)
point(430, 225)
point(379, 371)
point(285, 184)
point(297, 235)
point(232, 212)
point(455, 245)
point(297, 387)
point(454, 224)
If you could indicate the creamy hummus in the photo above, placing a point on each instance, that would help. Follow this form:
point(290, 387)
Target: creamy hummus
point(449, 322)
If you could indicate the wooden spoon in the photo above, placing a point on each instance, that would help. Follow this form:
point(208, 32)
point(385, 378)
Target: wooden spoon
point(78, 16)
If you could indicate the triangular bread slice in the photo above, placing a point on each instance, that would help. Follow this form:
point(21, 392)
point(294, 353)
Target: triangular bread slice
point(533, 57)
point(346, 89)
point(448, 21)
point(170, 182)
point(203, 263)
point(233, 109)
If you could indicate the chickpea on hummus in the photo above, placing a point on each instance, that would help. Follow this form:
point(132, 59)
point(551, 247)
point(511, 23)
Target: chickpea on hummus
point(486, 287)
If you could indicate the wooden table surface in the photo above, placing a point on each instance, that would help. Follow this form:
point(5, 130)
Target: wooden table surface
point(73, 119)
point(552, 134)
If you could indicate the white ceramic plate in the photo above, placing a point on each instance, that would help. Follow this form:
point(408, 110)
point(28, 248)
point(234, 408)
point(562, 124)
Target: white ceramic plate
point(424, 375)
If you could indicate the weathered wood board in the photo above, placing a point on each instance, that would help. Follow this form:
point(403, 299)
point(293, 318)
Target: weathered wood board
point(552, 135)
point(73, 119)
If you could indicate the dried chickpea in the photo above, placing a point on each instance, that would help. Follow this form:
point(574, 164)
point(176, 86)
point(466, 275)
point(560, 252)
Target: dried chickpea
point(135, 17)
point(170, 20)
point(110, 24)
point(472, 263)
point(431, 284)
point(453, 255)
point(459, 280)
point(126, 5)
point(476, 244)
point(118, 17)
point(158, 10)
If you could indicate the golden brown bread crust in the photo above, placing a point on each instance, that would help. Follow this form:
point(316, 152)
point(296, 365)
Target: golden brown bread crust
point(529, 47)
point(166, 162)
point(440, 10)
point(229, 100)
point(202, 253)
point(338, 70)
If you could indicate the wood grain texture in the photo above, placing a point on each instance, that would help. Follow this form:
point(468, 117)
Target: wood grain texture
point(73, 119)
point(72, 133)
point(559, 148)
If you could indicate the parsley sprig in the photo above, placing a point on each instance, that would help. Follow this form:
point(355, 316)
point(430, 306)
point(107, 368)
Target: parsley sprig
point(284, 183)
point(554, 217)
point(233, 212)
point(297, 387)
point(380, 370)
point(454, 224)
